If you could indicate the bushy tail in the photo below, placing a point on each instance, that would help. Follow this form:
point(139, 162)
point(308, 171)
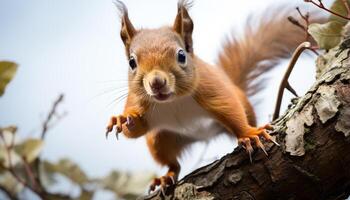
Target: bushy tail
point(264, 44)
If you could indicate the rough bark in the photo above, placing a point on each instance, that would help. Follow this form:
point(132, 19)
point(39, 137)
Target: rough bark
point(313, 161)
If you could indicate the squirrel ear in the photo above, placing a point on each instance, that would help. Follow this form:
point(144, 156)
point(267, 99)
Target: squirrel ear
point(127, 31)
point(183, 24)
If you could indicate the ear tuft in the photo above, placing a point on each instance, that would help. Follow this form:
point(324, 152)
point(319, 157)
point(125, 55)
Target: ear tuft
point(127, 31)
point(122, 9)
point(183, 24)
point(186, 4)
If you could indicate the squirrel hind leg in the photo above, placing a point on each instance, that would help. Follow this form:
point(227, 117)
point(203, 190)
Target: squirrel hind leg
point(168, 179)
point(165, 147)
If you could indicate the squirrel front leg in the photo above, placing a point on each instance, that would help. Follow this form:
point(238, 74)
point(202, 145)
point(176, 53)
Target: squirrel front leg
point(222, 99)
point(131, 122)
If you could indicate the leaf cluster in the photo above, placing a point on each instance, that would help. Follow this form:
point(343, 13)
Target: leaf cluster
point(329, 34)
point(22, 168)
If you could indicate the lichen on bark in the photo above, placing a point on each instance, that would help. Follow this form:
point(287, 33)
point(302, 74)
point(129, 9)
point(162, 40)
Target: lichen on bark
point(295, 131)
point(312, 161)
point(323, 98)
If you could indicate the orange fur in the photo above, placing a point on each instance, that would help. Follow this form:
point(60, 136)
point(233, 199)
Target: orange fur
point(220, 91)
point(165, 147)
point(132, 109)
point(267, 39)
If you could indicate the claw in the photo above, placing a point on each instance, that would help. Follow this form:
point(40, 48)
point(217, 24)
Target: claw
point(111, 123)
point(253, 134)
point(116, 135)
point(163, 182)
point(154, 184)
point(247, 146)
point(269, 137)
point(107, 134)
point(162, 190)
point(250, 156)
point(264, 150)
point(151, 189)
point(172, 180)
point(274, 141)
point(259, 144)
point(119, 125)
point(129, 121)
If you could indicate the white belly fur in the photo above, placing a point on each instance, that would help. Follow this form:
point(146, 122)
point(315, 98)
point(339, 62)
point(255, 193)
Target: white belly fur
point(183, 116)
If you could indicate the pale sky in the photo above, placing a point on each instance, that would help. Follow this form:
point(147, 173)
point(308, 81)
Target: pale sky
point(73, 46)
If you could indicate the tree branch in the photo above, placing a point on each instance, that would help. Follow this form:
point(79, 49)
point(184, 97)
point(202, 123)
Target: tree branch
point(50, 115)
point(311, 163)
point(320, 5)
point(35, 184)
point(285, 84)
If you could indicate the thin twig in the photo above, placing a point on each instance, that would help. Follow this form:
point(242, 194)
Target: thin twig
point(296, 23)
point(11, 169)
point(305, 17)
point(320, 5)
point(45, 128)
point(30, 174)
point(285, 84)
point(35, 186)
point(58, 119)
point(50, 115)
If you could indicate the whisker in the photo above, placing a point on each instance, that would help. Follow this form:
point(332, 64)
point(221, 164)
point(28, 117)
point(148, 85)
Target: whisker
point(121, 97)
point(113, 81)
point(115, 87)
point(110, 91)
point(154, 105)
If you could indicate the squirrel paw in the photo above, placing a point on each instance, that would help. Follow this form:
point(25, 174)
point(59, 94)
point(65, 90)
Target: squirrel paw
point(118, 121)
point(245, 140)
point(163, 182)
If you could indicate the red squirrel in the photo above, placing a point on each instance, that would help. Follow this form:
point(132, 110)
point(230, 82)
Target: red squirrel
point(175, 98)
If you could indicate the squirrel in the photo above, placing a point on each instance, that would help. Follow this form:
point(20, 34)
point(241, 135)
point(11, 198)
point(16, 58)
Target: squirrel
point(175, 98)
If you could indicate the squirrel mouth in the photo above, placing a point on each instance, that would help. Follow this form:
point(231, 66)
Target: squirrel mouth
point(161, 97)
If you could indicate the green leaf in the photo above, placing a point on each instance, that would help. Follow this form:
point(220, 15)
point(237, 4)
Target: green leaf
point(10, 183)
point(339, 8)
point(68, 169)
point(7, 71)
point(327, 35)
point(29, 149)
point(9, 129)
point(8, 134)
point(48, 172)
point(5, 161)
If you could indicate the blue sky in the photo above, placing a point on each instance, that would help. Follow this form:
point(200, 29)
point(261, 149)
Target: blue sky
point(73, 46)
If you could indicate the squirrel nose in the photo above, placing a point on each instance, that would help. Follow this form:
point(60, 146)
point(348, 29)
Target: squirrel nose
point(157, 84)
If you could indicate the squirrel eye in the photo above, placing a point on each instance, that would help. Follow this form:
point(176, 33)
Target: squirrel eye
point(181, 57)
point(132, 62)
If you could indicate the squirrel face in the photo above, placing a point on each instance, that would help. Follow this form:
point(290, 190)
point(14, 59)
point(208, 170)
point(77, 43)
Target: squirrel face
point(161, 60)
point(160, 68)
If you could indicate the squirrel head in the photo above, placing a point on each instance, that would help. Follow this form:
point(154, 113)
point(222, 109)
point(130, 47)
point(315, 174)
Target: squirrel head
point(161, 65)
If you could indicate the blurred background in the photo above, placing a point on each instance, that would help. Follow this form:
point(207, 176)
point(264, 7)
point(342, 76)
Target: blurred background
point(73, 47)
